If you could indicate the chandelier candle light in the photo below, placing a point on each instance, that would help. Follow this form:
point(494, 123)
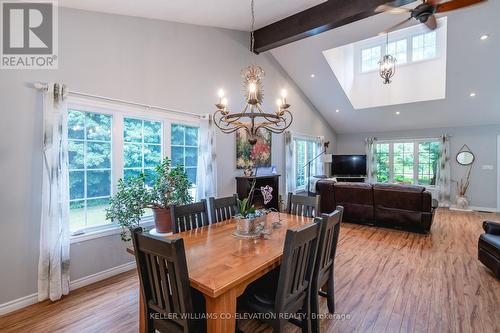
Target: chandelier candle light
point(252, 118)
point(387, 64)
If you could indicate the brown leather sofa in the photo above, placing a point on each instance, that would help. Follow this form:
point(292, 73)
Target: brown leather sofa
point(489, 247)
point(395, 205)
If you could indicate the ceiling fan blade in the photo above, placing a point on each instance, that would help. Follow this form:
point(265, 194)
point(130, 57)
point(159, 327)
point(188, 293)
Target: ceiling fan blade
point(431, 22)
point(433, 2)
point(456, 4)
point(390, 9)
point(395, 26)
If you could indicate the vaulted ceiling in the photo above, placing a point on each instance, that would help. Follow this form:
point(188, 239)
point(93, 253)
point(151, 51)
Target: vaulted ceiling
point(472, 64)
point(230, 14)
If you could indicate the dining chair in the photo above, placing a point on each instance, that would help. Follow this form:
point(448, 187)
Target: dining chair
point(223, 208)
point(303, 205)
point(324, 266)
point(190, 216)
point(164, 283)
point(289, 293)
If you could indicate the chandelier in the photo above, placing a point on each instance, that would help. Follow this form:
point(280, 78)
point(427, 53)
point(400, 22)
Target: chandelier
point(387, 64)
point(253, 118)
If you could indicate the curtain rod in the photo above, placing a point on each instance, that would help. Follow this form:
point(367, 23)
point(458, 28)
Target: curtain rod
point(412, 138)
point(44, 87)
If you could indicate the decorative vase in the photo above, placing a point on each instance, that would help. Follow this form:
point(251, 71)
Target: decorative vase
point(163, 220)
point(462, 202)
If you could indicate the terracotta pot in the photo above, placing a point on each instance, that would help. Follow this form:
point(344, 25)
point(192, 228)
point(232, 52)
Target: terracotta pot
point(163, 220)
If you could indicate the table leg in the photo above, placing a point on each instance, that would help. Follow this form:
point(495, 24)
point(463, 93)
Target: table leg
point(142, 320)
point(221, 312)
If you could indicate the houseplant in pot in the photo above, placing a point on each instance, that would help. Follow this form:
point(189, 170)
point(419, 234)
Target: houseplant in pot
point(170, 187)
point(126, 207)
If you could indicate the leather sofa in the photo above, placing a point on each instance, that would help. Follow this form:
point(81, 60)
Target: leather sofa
point(407, 206)
point(489, 247)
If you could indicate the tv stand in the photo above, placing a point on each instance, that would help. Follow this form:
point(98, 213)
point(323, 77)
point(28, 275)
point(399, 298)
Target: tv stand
point(351, 179)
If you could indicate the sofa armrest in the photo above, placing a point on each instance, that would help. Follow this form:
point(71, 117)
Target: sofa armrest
point(492, 228)
point(427, 202)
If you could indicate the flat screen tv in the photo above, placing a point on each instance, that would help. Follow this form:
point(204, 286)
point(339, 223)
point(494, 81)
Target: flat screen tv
point(349, 165)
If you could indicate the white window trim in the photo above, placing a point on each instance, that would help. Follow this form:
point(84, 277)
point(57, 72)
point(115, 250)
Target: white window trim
point(119, 111)
point(409, 51)
point(301, 137)
point(415, 142)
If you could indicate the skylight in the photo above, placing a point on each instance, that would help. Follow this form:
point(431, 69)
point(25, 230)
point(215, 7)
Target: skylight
point(420, 67)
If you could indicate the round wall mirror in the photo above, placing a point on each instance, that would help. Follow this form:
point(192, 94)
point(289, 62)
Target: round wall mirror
point(465, 158)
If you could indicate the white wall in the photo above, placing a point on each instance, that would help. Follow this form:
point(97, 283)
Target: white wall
point(482, 140)
point(153, 62)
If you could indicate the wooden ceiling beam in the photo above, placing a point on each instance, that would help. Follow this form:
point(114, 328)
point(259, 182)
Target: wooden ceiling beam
point(323, 17)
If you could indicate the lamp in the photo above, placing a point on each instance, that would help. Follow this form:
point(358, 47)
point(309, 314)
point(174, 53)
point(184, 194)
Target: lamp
point(387, 64)
point(252, 118)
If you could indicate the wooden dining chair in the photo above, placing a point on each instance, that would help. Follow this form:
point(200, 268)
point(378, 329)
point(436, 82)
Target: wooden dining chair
point(190, 216)
point(302, 205)
point(170, 304)
point(324, 266)
point(289, 293)
point(223, 208)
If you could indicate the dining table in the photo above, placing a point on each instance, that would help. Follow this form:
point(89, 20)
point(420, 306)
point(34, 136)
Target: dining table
point(221, 265)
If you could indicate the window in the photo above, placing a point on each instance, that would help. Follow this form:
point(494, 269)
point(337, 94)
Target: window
point(370, 58)
point(412, 162)
point(398, 50)
point(141, 147)
point(89, 153)
point(304, 151)
point(428, 154)
point(424, 46)
point(184, 142)
point(403, 163)
point(107, 142)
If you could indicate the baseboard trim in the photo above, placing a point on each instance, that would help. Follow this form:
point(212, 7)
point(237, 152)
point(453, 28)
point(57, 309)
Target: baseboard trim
point(25, 301)
point(93, 278)
point(484, 209)
point(18, 304)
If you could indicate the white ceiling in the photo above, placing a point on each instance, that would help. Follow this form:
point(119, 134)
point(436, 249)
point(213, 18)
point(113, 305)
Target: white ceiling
point(473, 65)
point(230, 14)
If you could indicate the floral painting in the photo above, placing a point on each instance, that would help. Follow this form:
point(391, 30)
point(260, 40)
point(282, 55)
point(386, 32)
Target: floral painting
point(248, 156)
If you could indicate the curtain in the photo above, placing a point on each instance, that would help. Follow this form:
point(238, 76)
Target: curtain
point(443, 176)
point(320, 166)
point(206, 178)
point(371, 158)
point(289, 179)
point(53, 265)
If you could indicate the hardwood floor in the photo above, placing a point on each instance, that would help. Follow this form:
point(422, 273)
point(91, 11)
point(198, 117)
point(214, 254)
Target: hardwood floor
point(386, 281)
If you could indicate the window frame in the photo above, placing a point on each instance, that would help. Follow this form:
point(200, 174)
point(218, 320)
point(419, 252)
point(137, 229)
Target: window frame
point(313, 165)
point(416, 158)
point(119, 111)
point(381, 42)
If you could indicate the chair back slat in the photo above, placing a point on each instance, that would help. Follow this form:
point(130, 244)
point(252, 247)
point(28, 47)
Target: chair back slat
point(223, 208)
point(327, 248)
point(164, 280)
point(303, 205)
point(190, 216)
point(297, 265)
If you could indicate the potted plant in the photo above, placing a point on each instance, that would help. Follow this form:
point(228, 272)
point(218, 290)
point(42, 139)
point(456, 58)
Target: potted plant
point(170, 187)
point(127, 205)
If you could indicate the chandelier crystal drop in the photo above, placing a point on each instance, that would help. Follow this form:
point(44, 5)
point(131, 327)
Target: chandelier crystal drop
point(253, 118)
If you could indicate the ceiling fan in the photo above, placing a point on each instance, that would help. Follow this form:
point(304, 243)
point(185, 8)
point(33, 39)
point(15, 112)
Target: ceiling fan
point(425, 11)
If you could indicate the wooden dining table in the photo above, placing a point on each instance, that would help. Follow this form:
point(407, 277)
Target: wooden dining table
point(221, 265)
